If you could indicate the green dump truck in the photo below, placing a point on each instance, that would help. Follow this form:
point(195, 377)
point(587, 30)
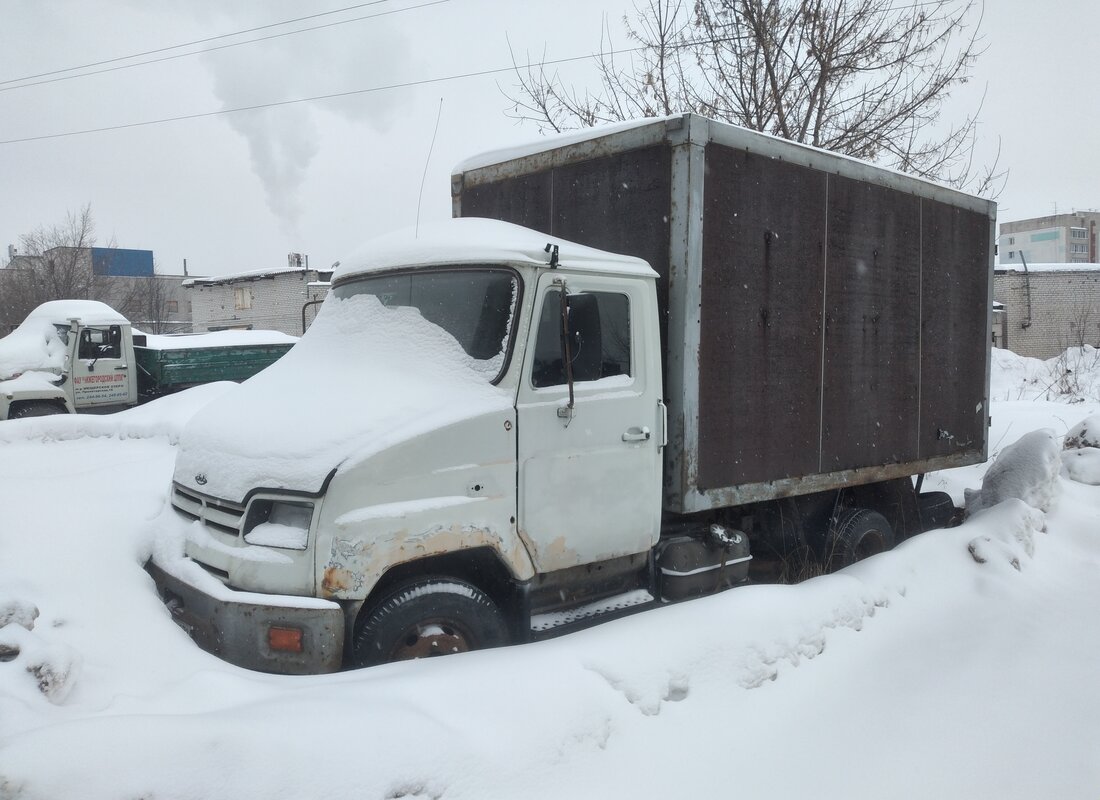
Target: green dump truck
point(73, 356)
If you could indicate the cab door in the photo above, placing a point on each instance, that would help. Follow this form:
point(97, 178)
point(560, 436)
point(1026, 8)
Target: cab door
point(101, 374)
point(590, 473)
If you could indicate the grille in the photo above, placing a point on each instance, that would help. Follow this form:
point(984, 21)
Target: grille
point(218, 514)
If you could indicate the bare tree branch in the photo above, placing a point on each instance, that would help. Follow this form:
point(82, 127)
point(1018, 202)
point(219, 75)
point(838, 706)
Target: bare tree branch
point(55, 263)
point(867, 78)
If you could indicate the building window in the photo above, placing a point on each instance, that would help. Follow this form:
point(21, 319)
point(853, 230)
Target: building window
point(1078, 233)
point(1012, 240)
point(1079, 248)
point(173, 306)
point(242, 299)
point(1011, 254)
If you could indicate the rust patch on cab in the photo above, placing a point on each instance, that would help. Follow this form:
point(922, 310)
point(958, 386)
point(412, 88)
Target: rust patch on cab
point(338, 579)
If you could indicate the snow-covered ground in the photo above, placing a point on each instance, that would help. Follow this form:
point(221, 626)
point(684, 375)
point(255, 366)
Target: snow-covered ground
point(962, 664)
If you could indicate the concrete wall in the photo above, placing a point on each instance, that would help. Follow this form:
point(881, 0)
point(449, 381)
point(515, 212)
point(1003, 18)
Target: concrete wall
point(275, 302)
point(1043, 246)
point(1065, 310)
point(1056, 239)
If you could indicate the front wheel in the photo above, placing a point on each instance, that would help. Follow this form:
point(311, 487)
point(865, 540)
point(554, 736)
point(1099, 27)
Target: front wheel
point(428, 617)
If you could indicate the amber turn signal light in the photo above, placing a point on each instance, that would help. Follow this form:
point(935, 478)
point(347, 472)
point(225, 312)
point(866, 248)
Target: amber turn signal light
point(288, 639)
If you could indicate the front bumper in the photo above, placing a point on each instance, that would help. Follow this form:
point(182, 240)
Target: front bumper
point(237, 629)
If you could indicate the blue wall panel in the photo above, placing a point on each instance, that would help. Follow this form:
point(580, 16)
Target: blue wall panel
point(121, 263)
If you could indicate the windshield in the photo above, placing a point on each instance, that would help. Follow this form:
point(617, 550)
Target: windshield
point(475, 306)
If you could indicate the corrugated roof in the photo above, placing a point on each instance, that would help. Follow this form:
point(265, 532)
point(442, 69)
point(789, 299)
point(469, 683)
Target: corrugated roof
point(251, 275)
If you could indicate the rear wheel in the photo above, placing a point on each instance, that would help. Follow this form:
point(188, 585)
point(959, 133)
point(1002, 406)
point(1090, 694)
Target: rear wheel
point(35, 408)
point(856, 534)
point(428, 617)
point(936, 510)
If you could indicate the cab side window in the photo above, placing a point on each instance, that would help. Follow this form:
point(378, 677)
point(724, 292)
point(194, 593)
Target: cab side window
point(599, 338)
point(100, 343)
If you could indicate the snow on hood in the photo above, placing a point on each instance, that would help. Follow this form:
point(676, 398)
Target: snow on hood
point(472, 240)
point(33, 346)
point(30, 382)
point(362, 378)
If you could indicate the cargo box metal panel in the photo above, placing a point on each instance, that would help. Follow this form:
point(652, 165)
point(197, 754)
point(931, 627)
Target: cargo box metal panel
point(823, 320)
point(172, 369)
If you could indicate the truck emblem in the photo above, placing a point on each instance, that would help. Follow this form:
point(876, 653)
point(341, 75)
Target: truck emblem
point(200, 479)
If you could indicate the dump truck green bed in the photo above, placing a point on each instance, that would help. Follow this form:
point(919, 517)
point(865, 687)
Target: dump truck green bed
point(161, 371)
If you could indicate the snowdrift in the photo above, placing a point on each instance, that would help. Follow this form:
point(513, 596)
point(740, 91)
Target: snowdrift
point(961, 664)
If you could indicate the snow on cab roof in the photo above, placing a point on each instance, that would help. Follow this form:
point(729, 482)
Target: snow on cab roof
point(90, 312)
point(250, 275)
point(472, 240)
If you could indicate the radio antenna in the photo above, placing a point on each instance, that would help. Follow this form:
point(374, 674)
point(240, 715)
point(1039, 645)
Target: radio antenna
point(427, 161)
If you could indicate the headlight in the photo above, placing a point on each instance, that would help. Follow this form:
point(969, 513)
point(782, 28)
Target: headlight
point(278, 523)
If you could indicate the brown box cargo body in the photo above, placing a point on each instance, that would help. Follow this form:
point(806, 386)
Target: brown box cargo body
point(825, 320)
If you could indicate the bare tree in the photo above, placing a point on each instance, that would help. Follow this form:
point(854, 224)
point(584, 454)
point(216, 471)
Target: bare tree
point(149, 303)
point(867, 78)
point(58, 254)
point(57, 262)
point(17, 295)
point(53, 264)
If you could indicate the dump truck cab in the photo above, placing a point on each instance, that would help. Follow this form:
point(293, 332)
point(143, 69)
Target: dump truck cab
point(68, 355)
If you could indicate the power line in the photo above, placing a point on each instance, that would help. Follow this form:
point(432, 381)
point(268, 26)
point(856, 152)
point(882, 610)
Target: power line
point(295, 101)
point(4, 87)
point(196, 41)
point(372, 89)
point(214, 49)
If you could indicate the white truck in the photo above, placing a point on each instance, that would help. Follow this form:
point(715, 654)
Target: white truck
point(524, 434)
point(68, 355)
point(82, 356)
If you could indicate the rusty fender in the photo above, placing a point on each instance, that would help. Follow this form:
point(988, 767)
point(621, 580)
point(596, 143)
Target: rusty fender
point(355, 565)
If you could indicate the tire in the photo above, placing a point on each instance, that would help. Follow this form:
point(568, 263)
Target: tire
point(35, 408)
point(427, 617)
point(856, 534)
point(937, 510)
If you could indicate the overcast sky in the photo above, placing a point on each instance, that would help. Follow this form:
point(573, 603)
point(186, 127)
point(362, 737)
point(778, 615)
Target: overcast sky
point(234, 192)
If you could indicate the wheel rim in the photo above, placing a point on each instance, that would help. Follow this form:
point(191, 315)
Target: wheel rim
point(431, 638)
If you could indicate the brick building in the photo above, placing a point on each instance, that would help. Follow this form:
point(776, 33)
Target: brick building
point(283, 299)
point(1047, 308)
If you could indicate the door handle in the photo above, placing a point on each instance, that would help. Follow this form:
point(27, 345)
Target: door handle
point(637, 434)
point(121, 367)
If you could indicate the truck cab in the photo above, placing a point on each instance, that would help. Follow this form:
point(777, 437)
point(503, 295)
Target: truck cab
point(68, 356)
point(494, 419)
